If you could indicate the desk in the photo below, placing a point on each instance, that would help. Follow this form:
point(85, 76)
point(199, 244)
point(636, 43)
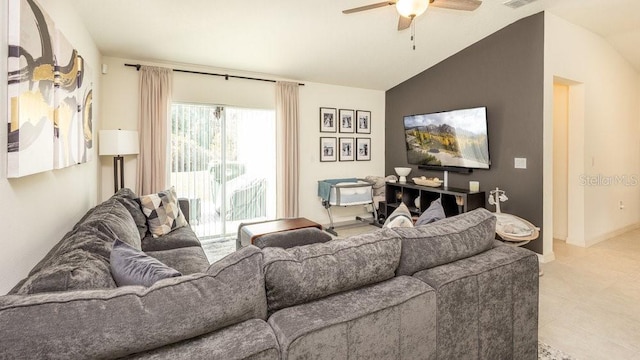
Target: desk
point(254, 231)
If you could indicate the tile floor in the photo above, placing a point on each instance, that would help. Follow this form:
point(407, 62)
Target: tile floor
point(590, 299)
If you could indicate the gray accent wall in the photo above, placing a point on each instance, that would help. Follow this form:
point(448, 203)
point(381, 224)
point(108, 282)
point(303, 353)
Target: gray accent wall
point(505, 73)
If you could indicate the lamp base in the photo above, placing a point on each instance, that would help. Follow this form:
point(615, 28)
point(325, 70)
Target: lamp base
point(118, 160)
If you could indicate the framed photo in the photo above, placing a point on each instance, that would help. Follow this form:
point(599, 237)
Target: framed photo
point(346, 149)
point(363, 122)
point(363, 149)
point(328, 119)
point(328, 149)
point(346, 120)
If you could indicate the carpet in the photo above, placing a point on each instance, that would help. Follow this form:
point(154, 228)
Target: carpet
point(546, 352)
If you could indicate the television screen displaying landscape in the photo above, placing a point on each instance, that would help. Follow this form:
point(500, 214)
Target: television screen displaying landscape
point(452, 138)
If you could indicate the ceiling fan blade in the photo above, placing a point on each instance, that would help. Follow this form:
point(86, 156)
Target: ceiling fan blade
point(466, 5)
point(368, 7)
point(404, 23)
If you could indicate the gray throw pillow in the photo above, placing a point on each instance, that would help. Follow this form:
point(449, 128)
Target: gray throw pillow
point(133, 267)
point(433, 213)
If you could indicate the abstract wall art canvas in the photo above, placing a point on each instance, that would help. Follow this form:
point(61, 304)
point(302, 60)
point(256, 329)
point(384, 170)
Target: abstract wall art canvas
point(50, 95)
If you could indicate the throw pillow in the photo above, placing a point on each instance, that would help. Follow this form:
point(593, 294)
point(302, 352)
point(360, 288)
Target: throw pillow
point(129, 200)
point(400, 217)
point(133, 267)
point(433, 213)
point(163, 212)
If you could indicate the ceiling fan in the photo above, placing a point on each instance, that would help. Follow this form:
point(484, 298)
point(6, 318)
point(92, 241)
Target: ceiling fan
point(409, 9)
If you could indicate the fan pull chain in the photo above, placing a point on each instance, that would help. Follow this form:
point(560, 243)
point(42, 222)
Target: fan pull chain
point(413, 34)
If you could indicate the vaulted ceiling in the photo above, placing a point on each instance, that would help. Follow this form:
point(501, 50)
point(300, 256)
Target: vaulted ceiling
point(313, 40)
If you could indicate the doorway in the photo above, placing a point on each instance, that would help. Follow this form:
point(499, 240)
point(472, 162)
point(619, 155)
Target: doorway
point(560, 161)
point(223, 159)
point(568, 161)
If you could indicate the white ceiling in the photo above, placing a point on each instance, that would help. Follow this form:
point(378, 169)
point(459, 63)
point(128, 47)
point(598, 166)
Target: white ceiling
point(311, 40)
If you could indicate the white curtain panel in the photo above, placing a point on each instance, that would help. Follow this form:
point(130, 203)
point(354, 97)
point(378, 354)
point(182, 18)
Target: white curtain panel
point(155, 104)
point(287, 113)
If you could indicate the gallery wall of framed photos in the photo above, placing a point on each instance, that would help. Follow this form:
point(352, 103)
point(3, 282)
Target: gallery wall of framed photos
point(345, 122)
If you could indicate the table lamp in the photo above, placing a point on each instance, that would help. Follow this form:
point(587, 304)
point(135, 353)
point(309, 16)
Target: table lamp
point(117, 143)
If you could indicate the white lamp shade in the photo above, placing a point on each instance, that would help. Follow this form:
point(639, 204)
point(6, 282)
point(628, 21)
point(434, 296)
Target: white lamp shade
point(412, 8)
point(118, 142)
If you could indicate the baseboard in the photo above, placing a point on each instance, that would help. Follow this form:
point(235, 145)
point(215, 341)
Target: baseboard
point(547, 257)
point(611, 234)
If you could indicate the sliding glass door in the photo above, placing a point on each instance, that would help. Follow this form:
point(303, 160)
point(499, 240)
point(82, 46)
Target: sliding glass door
point(224, 161)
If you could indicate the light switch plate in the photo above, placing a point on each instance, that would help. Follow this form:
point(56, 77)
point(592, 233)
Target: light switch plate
point(520, 163)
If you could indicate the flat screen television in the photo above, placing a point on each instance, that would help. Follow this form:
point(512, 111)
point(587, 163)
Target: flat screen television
point(453, 140)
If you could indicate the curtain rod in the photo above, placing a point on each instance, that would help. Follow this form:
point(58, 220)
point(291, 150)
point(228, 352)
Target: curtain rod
point(226, 76)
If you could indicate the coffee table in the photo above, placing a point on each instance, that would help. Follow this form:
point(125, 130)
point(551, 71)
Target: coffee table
point(252, 231)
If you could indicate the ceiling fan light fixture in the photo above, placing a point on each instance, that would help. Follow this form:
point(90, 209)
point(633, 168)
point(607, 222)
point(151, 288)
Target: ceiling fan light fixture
point(411, 8)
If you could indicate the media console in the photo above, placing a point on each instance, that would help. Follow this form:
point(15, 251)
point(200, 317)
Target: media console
point(454, 200)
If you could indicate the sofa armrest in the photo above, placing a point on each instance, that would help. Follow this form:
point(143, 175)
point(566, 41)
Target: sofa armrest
point(184, 207)
point(490, 301)
point(77, 324)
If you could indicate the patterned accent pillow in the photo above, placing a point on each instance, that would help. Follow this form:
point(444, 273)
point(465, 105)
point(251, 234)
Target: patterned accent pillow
point(163, 212)
point(400, 217)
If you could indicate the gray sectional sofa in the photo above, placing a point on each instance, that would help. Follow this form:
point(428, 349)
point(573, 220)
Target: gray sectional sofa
point(441, 291)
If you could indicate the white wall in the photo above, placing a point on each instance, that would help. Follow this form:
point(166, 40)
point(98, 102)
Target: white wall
point(312, 97)
point(120, 110)
point(39, 209)
point(611, 127)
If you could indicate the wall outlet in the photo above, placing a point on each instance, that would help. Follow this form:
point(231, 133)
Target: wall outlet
point(621, 205)
point(520, 163)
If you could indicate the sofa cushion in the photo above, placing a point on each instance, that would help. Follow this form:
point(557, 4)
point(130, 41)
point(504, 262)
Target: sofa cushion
point(75, 270)
point(394, 319)
point(132, 319)
point(304, 273)
point(130, 201)
point(163, 212)
point(178, 238)
point(85, 238)
point(187, 260)
point(434, 212)
point(86, 215)
point(111, 217)
point(130, 266)
point(252, 339)
point(444, 241)
point(88, 234)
